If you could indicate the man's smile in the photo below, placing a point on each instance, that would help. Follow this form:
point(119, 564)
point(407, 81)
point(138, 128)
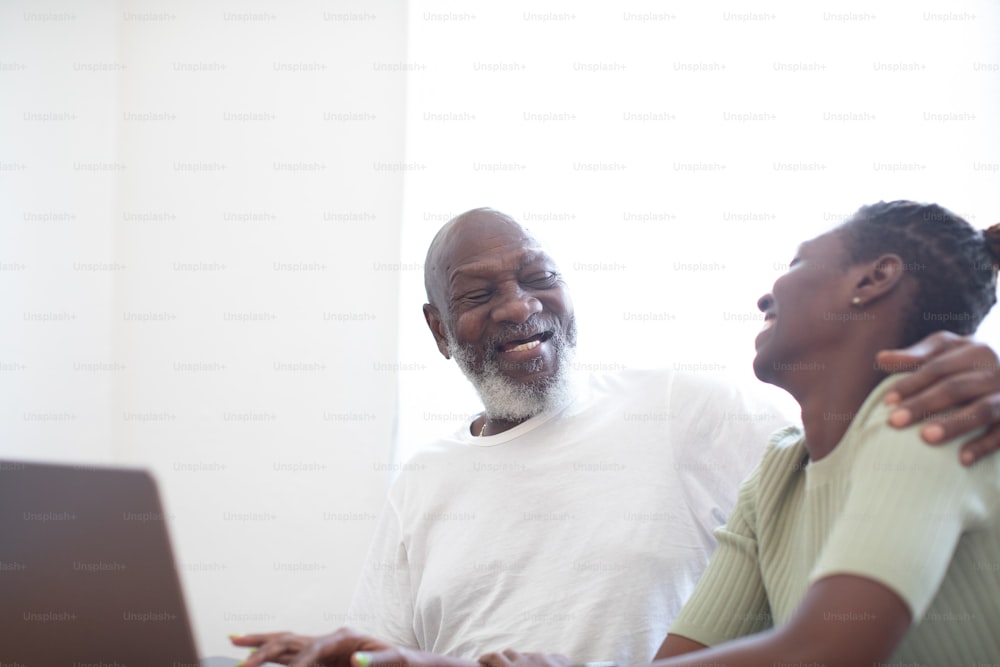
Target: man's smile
point(523, 344)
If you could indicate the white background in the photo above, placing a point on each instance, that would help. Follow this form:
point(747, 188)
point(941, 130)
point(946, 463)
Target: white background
point(213, 219)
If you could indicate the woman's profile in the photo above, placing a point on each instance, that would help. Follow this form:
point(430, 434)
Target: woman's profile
point(856, 546)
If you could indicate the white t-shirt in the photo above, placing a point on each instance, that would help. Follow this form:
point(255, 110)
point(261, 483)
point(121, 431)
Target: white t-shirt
point(581, 531)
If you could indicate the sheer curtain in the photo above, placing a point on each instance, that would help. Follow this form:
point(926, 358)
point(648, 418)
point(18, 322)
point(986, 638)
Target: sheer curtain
point(199, 223)
point(673, 155)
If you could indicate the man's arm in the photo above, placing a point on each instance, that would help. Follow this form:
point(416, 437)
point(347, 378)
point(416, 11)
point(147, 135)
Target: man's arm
point(950, 372)
point(381, 604)
point(730, 600)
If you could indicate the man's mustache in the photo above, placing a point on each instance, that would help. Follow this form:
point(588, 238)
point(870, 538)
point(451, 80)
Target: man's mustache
point(512, 332)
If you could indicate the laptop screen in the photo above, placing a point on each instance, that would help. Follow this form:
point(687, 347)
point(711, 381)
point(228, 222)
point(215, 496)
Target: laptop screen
point(87, 575)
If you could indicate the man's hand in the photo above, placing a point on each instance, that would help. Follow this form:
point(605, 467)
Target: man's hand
point(511, 658)
point(286, 648)
point(343, 648)
point(951, 372)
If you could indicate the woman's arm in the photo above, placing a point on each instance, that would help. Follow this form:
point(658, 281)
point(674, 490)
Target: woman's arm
point(675, 645)
point(843, 620)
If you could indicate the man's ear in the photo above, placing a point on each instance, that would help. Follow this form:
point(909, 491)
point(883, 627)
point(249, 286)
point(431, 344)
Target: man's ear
point(879, 278)
point(436, 325)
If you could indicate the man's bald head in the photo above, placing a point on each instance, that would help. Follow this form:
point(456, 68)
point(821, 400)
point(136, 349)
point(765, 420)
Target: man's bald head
point(478, 226)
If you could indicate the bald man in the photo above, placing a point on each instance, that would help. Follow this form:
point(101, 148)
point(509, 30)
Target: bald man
point(573, 512)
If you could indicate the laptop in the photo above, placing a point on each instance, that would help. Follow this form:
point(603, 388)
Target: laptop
point(87, 574)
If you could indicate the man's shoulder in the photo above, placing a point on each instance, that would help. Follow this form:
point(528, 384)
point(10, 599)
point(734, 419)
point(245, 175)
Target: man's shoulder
point(432, 458)
point(618, 375)
point(660, 379)
point(708, 394)
point(703, 378)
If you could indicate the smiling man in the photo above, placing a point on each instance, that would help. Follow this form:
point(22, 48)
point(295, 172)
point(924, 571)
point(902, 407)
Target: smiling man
point(574, 514)
point(499, 307)
point(567, 495)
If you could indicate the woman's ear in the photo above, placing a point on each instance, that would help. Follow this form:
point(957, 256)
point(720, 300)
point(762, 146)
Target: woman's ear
point(878, 278)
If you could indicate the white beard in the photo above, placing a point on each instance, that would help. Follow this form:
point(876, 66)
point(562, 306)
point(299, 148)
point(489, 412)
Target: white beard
point(509, 401)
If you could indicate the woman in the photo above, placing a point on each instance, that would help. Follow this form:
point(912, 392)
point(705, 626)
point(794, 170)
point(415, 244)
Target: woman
point(855, 545)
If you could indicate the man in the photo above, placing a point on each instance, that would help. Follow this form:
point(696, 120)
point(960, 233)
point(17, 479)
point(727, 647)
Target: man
point(571, 516)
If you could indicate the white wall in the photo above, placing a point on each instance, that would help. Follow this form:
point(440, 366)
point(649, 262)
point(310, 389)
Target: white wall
point(202, 201)
point(675, 154)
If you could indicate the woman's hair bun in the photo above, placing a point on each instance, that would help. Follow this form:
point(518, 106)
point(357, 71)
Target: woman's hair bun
point(991, 237)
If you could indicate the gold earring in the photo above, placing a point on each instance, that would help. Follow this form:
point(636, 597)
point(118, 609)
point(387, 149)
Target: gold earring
point(856, 301)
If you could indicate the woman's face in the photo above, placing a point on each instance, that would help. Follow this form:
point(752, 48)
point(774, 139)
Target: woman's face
point(808, 312)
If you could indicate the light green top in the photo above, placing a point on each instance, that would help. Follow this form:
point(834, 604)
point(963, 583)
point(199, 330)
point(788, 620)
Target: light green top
point(881, 505)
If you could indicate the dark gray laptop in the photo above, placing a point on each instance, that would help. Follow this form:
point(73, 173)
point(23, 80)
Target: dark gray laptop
point(87, 575)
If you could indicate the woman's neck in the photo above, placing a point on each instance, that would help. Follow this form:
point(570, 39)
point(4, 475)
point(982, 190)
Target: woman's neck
point(830, 398)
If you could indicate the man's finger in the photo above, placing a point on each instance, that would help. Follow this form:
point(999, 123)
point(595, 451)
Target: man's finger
point(254, 640)
point(332, 649)
point(953, 362)
point(951, 391)
point(261, 656)
point(280, 648)
point(980, 414)
point(384, 658)
point(965, 356)
point(981, 447)
point(947, 393)
point(894, 361)
point(313, 656)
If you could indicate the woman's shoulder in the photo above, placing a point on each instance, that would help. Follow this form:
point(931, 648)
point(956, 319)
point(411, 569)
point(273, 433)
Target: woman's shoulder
point(785, 457)
point(874, 407)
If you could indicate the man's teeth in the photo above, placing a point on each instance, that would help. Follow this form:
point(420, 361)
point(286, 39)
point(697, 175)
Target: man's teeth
point(530, 345)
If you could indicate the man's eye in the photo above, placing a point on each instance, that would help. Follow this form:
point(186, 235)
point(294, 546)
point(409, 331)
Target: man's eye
point(543, 280)
point(477, 297)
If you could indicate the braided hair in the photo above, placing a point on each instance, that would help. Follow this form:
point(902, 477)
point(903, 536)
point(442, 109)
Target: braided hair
point(954, 264)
